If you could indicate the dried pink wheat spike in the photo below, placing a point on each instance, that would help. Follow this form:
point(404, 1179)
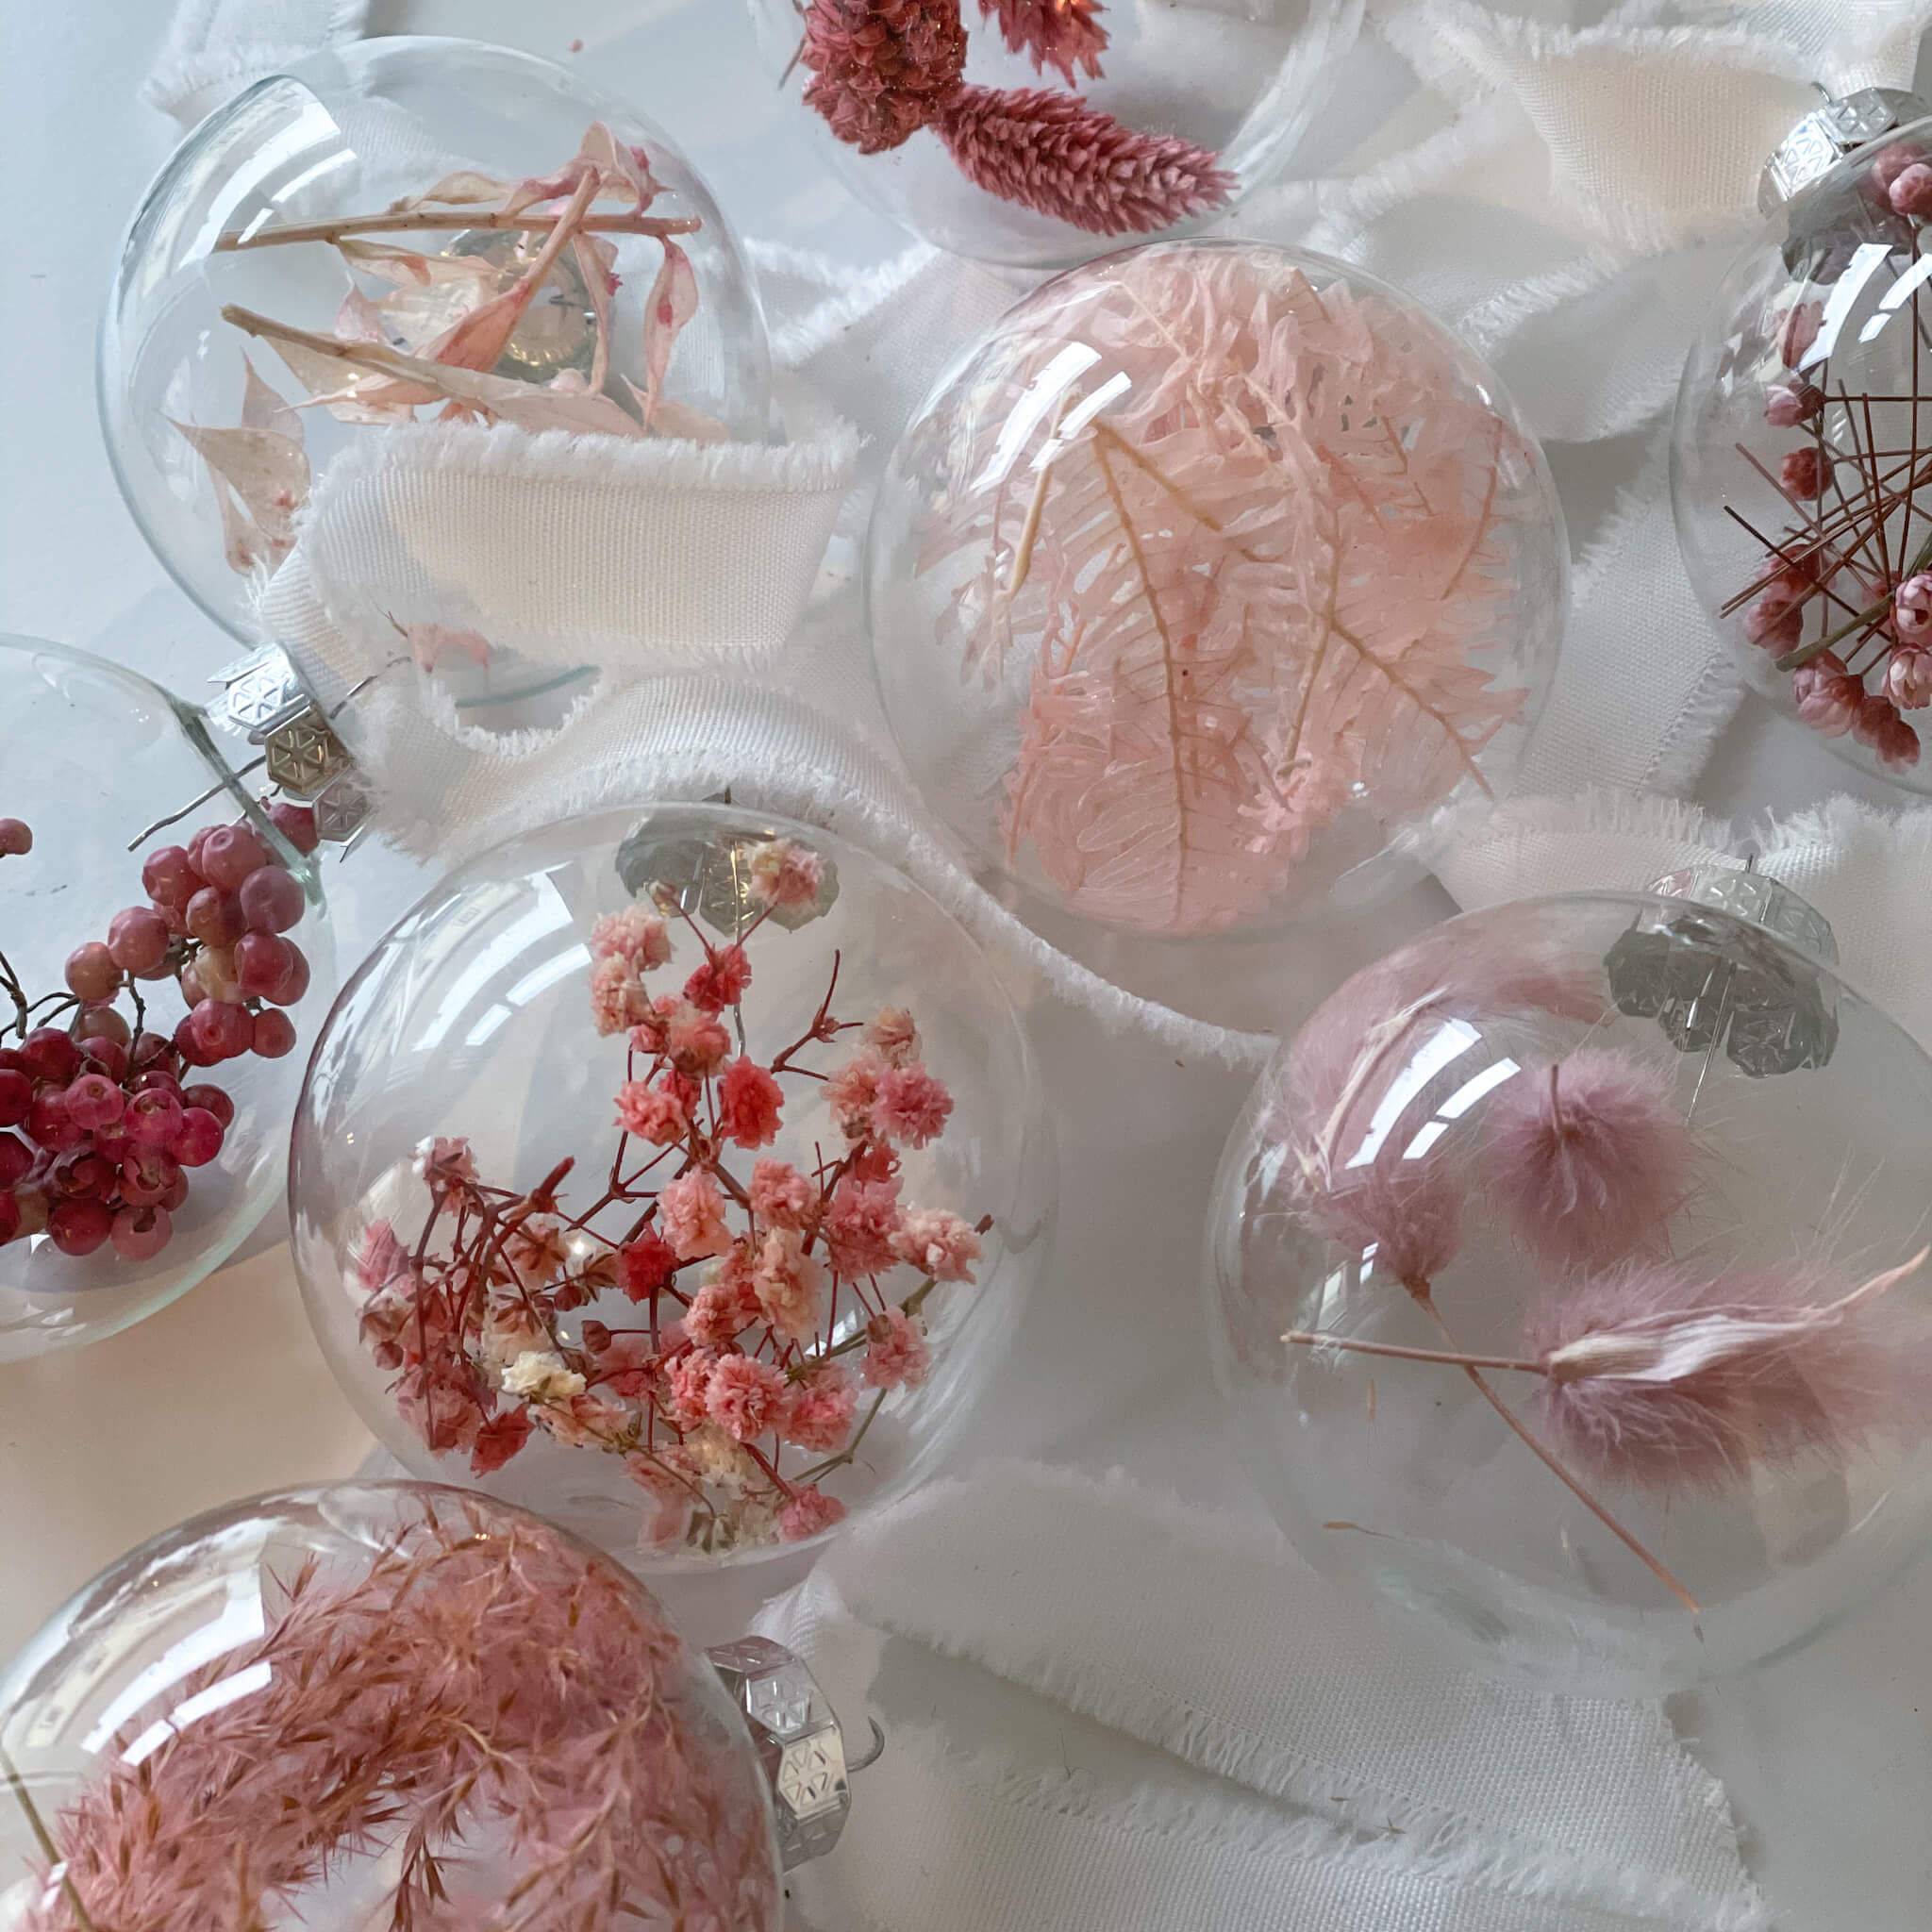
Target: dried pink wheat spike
point(1059, 33)
point(882, 69)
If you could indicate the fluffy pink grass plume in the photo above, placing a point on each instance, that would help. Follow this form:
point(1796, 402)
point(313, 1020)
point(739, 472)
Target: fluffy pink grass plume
point(487, 1715)
point(1660, 1377)
point(882, 69)
point(1587, 1158)
point(1058, 33)
point(1051, 153)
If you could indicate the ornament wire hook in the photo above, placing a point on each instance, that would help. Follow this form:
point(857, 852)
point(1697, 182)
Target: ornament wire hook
point(872, 1757)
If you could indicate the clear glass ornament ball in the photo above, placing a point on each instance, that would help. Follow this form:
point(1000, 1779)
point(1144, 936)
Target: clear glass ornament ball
point(101, 1226)
point(350, 133)
point(1653, 1180)
point(1204, 581)
point(1798, 465)
point(373, 1704)
point(766, 1302)
point(1225, 88)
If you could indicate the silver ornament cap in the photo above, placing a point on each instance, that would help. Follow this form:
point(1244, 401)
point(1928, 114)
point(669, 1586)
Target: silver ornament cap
point(797, 1739)
point(263, 698)
point(1726, 964)
point(1840, 125)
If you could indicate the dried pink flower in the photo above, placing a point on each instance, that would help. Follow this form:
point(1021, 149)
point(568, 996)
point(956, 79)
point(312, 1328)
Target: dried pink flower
point(444, 1158)
point(911, 1105)
point(1798, 331)
point(820, 1410)
point(891, 1032)
point(881, 69)
point(687, 1386)
point(850, 1090)
point(744, 1396)
point(696, 1042)
point(810, 1513)
point(646, 1265)
point(1911, 191)
point(618, 999)
point(721, 981)
point(786, 875)
point(896, 1356)
point(1879, 726)
point(780, 1195)
point(1775, 621)
point(725, 1304)
point(1787, 404)
point(691, 1213)
point(1911, 608)
point(790, 1285)
point(1888, 165)
point(1053, 153)
point(861, 1224)
point(535, 1249)
point(498, 1440)
point(380, 1257)
point(748, 1104)
point(937, 1243)
point(1827, 696)
point(1588, 1159)
point(1058, 33)
point(1804, 472)
point(640, 939)
point(656, 1114)
point(1909, 677)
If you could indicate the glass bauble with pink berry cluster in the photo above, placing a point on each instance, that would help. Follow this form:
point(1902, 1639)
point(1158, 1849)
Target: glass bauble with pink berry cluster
point(679, 1171)
point(396, 232)
point(392, 1704)
point(1800, 471)
point(1568, 1286)
point(1205, 584)
point(1040, 132)
point(164, 950)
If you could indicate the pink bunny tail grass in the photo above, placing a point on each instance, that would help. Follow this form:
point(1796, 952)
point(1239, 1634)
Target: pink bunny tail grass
point(1408, 1214)
point(1053, 153)
point(1658, 1379)
point(1587, 1160)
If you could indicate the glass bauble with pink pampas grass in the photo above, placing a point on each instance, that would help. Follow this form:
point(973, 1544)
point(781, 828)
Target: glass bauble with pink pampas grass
point(1210, 579)
point(1040, 132)
point(392, 234)
point(679, 1172)
point(375, 1705)
point(1568, 1282)
point(1801, 459)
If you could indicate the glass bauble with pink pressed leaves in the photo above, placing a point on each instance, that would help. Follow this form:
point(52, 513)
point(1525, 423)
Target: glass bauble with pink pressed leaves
point(679, 1172)
point(1567, 1281)
point(165, 958)
point(377, 1704)
point(1205, 584)
point(1799, 465)
point(388, 233)
point(1041, 132)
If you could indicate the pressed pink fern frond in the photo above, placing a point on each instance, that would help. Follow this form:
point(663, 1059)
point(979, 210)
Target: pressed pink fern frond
point(1259, 587)
point(1058, 33)
point(489, 1711)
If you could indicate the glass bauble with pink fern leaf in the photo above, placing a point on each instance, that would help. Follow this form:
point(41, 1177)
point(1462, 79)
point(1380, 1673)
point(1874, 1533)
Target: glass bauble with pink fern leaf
point(1208, 579)
point(679, 1172)
point(375, 1705)
point(1568, 1281)
point(1800, 464)
point(398, 234)
point(1041, 132)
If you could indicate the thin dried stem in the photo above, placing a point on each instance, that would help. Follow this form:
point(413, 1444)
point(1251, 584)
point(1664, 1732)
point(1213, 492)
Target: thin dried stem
point(392, 222)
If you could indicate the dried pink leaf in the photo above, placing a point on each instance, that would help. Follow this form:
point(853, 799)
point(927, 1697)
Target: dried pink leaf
point(260, 480)
point(670, 304)
point(430, 642)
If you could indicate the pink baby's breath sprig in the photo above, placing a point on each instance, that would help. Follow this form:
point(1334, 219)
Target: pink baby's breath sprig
point(752, 1279)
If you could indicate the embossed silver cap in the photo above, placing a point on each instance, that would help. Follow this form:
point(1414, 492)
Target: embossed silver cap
point(798, 1742)
point(263, 698)
point(1840, 125)
point(1728, 964)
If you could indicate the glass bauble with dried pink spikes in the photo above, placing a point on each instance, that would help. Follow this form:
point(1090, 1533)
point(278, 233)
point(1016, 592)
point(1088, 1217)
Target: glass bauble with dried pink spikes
point(1802, 452)
point(1204, 581)
point(396, 233)
point(1569, 1290)
point(1039, 132)
point(682, 1173)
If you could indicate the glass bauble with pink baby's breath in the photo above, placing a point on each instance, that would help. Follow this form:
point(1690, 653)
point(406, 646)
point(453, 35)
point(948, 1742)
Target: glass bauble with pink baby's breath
point(1040, 132)
point(403, 231)
point(375, 1705)
point(679, 1172)
point(1568, 1280)
point(1208, 579)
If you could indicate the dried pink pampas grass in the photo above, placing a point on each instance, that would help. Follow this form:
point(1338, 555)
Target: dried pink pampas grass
point(1656, 1377)
point(1587, 1160)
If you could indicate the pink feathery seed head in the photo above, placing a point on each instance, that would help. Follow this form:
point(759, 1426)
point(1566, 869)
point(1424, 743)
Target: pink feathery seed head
point(1664, 1379)
point(1053, 153)
point(810, 1513)
point(1587, 1160)
point(881, 69)
point(1058, 33)
point(744, 1396)
point(1406, 1217)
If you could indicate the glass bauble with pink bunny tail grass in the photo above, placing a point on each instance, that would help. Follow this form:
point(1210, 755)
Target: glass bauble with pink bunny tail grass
point(1568, 1283)
point(386, 1705)
point(1204, 583)
point(679, 1172)
point(1041, 132)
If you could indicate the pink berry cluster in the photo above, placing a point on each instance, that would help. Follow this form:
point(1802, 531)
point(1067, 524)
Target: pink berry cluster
point(1842, 599)
point(100, 1119)
point(758, 1287)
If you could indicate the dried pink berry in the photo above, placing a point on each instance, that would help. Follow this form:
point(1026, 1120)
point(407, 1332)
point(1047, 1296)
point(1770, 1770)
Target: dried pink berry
point(1805, 472)
point(1911, 191)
